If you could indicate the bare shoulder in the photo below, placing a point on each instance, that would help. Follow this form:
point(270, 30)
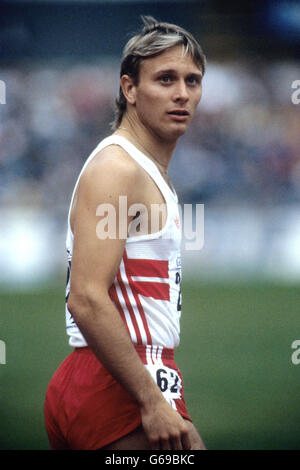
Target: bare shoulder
point(112, 172)
point(113, 160)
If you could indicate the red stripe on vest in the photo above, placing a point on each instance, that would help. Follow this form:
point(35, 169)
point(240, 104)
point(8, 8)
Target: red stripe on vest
point(137, 300)
point(156, 290)
point(147, 267)
point(130, 309)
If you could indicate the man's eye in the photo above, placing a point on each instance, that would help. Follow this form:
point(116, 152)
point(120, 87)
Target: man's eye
point(193, 80)
point(165, 78)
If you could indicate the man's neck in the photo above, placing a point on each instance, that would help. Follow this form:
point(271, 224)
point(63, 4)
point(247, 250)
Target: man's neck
point(157, 149)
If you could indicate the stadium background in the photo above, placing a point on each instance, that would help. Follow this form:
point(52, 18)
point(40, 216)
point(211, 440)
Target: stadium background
point(240, 158)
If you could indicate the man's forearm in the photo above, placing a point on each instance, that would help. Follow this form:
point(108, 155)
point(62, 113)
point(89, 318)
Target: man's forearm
point(106, 334)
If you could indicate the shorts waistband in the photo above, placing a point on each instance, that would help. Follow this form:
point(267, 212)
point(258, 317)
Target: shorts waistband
point(149, 354)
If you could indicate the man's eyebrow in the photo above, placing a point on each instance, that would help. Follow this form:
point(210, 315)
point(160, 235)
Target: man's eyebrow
point(175, 72)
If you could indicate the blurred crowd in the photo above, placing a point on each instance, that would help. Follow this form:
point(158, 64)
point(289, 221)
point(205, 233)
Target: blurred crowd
point(243, 145)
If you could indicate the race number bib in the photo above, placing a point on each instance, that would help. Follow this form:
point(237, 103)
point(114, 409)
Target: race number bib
point(167, 380)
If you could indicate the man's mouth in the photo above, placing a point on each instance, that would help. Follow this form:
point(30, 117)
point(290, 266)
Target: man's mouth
point(179, 115)
point(179, 112)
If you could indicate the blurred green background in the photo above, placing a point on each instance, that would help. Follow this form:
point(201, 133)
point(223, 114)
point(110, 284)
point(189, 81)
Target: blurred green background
point(241, 387)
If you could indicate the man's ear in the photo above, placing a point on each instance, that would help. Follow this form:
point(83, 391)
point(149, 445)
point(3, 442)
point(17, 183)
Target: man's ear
point(128, 88)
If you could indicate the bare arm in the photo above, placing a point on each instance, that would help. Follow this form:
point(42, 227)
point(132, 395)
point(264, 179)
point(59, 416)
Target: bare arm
point(94, 265)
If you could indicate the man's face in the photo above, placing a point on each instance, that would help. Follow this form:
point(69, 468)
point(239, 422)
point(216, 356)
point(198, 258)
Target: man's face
point(168, 92)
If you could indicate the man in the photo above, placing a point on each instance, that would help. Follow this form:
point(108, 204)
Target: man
point(120, 388)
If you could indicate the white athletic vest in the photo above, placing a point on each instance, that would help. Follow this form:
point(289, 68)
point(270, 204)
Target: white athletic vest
point(146, 289)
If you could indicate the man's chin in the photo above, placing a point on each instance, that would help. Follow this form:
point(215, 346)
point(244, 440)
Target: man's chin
point(178, 131)
point(172, 133)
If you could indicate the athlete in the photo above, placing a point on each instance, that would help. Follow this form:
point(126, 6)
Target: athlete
point(120, 388)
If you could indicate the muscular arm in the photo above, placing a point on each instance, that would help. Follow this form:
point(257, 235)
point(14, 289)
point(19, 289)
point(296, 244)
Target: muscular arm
point(94, 265)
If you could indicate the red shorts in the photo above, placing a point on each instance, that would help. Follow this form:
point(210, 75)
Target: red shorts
point(86, 409)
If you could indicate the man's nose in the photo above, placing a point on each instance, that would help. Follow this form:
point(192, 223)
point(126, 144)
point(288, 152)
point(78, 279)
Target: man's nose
point(181, 93)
